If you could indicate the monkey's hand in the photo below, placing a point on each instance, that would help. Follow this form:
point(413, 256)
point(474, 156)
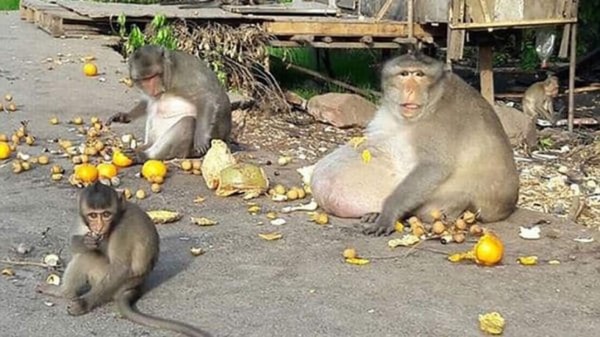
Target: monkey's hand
point(91, 241)
point(77, 307)
point(120, 117)
point(381, 225)
point(138, 156)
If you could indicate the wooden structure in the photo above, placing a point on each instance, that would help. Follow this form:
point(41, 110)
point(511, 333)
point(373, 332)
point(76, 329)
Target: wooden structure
point(342, 23)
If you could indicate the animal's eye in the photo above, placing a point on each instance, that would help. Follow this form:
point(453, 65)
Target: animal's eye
point(106, 214)
point(92, 215)
point(419, 73)
point(404, 73)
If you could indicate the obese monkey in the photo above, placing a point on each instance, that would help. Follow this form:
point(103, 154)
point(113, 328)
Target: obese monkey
point(185, 104)
point(435, 143)
point(538, 100)
point(114, 247)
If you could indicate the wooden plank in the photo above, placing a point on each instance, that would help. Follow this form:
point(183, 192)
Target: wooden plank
point(335, 45)
point(510, 24)
point(486, 72)
point(343, 29)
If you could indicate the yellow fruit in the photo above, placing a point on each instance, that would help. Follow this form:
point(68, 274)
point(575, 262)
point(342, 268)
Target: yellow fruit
point(489, 250)
point(77, 121)
point(56, 176)
point(157, 180)
point(57, 169)
point(8, 97)
point(154, 168)
point(350, 253)
point(436, 214)
point(438, 227)
point(26, 166)
point(90, 69)
point(279, 189)
point(196, 164)
point(86, 173)
point(460, 224)
point(292, 194)
point(301, 193)
point(4, 150)
point(186, 165)
point(140, 194)
point(12, 107)
point(99, 146)
point(121, 160)
point(94, 120)
point(3, 138)
point(127, 193)
point(84, 158)
point(29, 140)
point(43, 160)
point(476, 230)
point(53, 120)
point(17, 167)
point(155, 188)
point(107, 170)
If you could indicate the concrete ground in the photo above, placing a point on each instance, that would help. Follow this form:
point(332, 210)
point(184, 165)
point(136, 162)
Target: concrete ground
point(243, 285)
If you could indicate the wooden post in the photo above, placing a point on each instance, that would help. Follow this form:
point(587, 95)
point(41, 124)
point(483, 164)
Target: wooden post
point(572, 62)
point(486, 72)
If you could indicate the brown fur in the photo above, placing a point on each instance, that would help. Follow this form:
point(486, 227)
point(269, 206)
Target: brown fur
point(435, 144)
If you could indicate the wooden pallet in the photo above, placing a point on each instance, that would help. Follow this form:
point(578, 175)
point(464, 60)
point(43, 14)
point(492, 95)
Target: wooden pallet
point(58, 21)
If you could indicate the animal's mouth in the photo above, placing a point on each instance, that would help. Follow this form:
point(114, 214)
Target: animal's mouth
point(409, 110)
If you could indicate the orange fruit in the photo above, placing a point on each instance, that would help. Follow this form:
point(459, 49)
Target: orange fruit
point(154, 168)
point(4, 150)
point(489, 250)
point(121, 160)
point(90, 69)
point(107, 170)
point(86, 173)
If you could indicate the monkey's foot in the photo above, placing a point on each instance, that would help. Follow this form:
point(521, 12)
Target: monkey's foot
point(77, 307)
point(370, 217)
point(381, 226)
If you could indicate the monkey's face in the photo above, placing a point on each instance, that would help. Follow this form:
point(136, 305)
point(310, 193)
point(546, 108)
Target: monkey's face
point(146, 68)
point(99, 221)
point(551, 89)
point(409, 90)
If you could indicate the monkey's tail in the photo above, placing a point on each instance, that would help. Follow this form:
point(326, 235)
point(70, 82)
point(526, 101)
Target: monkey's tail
point(128, 311)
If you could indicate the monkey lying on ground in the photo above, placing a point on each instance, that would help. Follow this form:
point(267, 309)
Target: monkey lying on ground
point(185, 104)
point(435, 143)
point(114, 246)
point(538, 100)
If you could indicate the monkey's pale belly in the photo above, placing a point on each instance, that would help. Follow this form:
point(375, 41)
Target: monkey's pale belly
point(345, 186)
point(165, 112)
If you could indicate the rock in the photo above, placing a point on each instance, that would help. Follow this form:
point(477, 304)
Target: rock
point(239, 101)
point(519, 127)
point(341, 110)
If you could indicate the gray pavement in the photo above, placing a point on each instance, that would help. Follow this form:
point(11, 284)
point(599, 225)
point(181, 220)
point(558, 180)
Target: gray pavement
point(243, 285)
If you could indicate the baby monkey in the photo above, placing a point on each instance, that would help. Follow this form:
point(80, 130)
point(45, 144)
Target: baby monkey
point(114, 247)
point(539, 97)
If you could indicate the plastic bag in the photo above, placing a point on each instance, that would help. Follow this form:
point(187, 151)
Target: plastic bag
point(545, 41)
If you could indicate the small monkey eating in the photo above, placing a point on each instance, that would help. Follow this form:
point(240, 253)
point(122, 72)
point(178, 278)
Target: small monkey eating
point(538, 100)
point(185, 104)
point(114, 248)
point(435, 144)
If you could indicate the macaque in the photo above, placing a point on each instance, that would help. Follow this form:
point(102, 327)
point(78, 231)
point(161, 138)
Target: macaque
point(185, 104)
point(435, 144)
point(114, 247)
point(538, 101)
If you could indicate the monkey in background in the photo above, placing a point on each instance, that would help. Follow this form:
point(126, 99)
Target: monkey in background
point(114, 248)
point(435, 143)
point(185, 104)
point(538, 100)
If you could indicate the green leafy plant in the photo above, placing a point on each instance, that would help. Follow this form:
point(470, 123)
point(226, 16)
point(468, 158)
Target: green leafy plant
point(545, 143)
point(159, 33)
